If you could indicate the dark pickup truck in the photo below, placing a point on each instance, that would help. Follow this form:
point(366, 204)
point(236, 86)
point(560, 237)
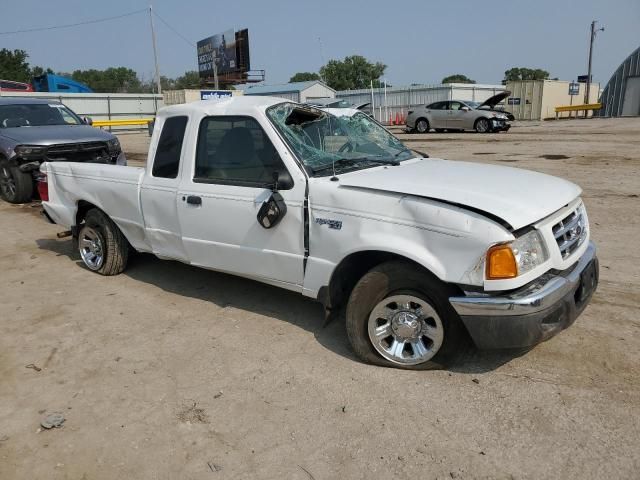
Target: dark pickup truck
point(33, 131)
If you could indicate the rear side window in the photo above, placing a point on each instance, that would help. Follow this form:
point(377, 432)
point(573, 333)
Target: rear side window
point(167, 160)
point(235, 150)
point(438, 106)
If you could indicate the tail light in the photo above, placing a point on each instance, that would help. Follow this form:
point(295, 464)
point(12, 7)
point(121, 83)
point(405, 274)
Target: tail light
point(43, 186)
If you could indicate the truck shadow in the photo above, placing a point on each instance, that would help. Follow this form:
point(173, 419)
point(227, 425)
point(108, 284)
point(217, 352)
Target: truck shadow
point(230, 291)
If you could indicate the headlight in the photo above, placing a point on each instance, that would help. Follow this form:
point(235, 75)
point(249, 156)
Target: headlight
point(530, 251)
point(516, 258)
point(113, 145)
point(30, 151)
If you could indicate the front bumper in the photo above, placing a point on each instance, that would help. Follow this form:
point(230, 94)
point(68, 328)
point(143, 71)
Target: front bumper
point(533, 313)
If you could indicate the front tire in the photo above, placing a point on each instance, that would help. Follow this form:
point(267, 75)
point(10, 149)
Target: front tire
point(399, 316)
point(103, 248)
point(15, 186)
point(482, 126)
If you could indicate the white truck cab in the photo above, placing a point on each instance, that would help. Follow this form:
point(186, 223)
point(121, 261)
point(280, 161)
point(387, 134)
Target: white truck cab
point(424, 253)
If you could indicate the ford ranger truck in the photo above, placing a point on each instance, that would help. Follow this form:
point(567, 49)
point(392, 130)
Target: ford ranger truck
point(425, 254)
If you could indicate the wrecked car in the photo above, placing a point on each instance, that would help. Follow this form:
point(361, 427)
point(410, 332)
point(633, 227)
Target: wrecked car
point(460, 115)
point(427, 256)
point(33, 131)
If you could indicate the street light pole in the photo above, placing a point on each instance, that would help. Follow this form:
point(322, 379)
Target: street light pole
point(594, 30)
point(155, 51)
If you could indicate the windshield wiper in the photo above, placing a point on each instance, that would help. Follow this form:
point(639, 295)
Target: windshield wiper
point(422, 154)
point(341, 162)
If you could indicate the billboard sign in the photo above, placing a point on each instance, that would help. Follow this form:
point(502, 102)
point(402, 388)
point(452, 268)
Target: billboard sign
point(574, 88)
point(221, 49)
point(583, 78)
point(214, 94)
point(513, 101)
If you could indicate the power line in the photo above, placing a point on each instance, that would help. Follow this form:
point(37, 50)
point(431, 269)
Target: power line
point(174, 30)
point(69, 25)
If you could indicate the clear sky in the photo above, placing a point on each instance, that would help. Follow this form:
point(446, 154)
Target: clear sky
point(420, 41)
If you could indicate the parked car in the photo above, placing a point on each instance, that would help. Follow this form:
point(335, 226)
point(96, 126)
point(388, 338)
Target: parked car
point(11, 86)
point(33, 131)
point(425, 253)
point(459, 115)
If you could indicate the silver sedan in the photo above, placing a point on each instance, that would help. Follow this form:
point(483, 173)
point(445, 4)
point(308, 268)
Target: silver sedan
point(457, 115)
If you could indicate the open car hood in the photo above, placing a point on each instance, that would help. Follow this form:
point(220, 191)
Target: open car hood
point(491, 102)
point(518, 197)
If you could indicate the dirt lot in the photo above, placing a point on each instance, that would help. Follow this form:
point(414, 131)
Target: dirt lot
point(168, 371)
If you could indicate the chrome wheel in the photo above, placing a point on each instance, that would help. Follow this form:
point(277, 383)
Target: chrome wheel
point(482, 125)
point(405, 329)
point(91, 248)
point(7, 183)
point(422, 126)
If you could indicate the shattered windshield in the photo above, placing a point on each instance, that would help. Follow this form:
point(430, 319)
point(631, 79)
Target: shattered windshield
point(347, 142)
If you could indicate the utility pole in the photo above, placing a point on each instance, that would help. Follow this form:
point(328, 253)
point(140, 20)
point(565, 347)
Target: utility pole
point(155, 51)
point(594, 31)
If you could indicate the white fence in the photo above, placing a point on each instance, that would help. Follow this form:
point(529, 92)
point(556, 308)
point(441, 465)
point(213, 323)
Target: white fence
point(103, 106)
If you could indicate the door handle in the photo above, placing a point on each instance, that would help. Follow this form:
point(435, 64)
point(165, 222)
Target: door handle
point(194, 200)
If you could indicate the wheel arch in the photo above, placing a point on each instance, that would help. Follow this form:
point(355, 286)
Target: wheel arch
point(353, 267)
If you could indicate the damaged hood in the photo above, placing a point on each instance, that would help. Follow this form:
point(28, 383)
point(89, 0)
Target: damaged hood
point(519, 197)
point(55, 134)
point(491, 102)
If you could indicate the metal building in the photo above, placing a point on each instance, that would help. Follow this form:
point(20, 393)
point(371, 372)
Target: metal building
point(621, 96)
point(538, 99)
point(398, 100)
point(296, 91)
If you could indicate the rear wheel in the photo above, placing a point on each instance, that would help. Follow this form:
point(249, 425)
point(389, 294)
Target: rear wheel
point(102, 246)
point(422, 125)
point(482, 125)
point(400, 316)
point(15, 186)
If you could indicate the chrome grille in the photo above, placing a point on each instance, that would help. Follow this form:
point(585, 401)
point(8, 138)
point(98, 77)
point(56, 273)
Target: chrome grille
point(570, 232)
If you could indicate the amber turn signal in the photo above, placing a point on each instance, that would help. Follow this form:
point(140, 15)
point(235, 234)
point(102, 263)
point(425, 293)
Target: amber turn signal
point(501, 263)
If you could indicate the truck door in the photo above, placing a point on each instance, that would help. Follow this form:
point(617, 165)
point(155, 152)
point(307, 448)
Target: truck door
point(221, 194)
point(158, 193)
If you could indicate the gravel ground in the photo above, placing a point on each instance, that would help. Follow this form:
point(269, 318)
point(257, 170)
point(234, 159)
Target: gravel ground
point(169, 371)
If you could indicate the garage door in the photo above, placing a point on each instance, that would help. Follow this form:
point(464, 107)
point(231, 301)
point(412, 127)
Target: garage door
point(631, 104)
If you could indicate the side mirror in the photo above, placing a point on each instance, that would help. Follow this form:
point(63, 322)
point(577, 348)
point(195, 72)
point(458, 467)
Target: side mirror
point(465, 109)
point(87, 120)
point(272, 211)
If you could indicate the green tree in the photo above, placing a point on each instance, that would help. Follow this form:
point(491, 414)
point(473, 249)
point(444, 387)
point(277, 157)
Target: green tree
point(522, 73)
point(353, 72)
point(304, 77)
point(37, 71)
point(457, 78)
point(111, 80)
point(190, 79)
point(14, 65)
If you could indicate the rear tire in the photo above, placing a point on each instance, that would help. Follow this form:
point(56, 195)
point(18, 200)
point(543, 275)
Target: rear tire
point(482, 126)
point(411, 306)
point(102, 246)
point(422, 125)
point(15, 186)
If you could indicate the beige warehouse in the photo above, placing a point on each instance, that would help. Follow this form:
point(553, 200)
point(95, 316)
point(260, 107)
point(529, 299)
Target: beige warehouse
point(537, 99)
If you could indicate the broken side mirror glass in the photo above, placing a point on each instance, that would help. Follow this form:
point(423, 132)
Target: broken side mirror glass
point(272, 211)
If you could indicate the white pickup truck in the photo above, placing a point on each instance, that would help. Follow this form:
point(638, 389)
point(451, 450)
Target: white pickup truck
point(426, 254)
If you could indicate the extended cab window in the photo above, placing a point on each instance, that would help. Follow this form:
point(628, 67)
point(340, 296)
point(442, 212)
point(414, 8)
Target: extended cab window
point(167, 160)
point(235, 150)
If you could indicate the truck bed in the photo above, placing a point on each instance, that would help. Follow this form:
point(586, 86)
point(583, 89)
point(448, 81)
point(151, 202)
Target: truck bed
point(112, 188)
